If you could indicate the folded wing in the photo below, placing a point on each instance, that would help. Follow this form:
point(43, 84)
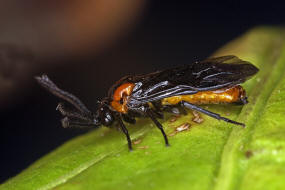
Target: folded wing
point(210, 74)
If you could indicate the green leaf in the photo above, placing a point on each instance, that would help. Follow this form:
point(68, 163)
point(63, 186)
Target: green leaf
point(212, 155)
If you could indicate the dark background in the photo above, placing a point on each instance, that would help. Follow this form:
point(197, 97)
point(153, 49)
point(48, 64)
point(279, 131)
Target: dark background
point(165, 34)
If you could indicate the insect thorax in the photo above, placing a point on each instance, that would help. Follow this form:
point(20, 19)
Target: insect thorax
point(120, 97)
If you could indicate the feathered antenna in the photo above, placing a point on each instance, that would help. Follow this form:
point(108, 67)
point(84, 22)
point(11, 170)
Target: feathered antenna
point(45, 82)
point(83, 118)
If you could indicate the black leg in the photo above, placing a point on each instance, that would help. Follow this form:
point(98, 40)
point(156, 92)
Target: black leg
point(211, 114)
point(73, 114)
point(67, 123)
point(157, 110)
point(183, 111)
point(125, 131)
point(129, 119)
point(152, 116)
point(158, 114)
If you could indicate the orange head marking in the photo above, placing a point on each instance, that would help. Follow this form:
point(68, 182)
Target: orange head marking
point(120, 95)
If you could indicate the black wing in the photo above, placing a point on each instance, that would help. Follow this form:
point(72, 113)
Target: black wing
point(210, 74)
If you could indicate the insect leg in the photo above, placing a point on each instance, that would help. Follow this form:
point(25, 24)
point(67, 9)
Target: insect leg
point(73, 114)
point(129, 119)
point(45, 82)
point(125, 131)
point(211, 114)
point(159, 126)
point(67, 123)
point(158, 114)
point(183, 111)
point(157, 110)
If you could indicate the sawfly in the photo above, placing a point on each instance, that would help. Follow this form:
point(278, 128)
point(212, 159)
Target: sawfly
point(212, 81)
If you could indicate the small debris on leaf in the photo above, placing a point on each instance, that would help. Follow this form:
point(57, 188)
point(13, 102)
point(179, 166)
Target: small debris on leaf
point(172, 134)
point(183, 127)
point(180, 128)
point(174, 118)
point(137, 141)
point(197, 118)
point(143, 147)
point(248, 154)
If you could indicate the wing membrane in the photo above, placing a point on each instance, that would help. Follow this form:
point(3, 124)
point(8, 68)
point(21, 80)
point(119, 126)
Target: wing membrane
point(210, 74)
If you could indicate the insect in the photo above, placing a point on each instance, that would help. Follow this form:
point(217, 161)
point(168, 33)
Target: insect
point(212, 81)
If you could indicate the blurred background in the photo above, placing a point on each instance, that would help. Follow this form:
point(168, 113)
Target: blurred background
point(86, 45)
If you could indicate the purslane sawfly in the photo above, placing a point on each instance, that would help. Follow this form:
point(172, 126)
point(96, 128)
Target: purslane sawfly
point(212, 81)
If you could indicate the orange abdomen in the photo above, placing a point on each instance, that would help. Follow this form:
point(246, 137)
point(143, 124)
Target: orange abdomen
point(230, 95)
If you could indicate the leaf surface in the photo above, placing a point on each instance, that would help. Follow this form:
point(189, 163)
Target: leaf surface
point(213, 155)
